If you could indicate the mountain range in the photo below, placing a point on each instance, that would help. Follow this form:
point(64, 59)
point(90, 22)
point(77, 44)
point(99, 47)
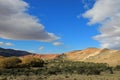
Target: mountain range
point(112, 57)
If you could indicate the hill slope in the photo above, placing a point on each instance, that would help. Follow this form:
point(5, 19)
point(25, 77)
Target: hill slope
point(112, 57)
point(42, 56)
point(20, 53)
point(12, 52)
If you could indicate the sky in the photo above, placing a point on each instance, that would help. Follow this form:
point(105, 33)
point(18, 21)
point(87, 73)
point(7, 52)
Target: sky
point(58, 26)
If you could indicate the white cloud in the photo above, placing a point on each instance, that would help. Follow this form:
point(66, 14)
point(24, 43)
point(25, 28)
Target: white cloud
point(16, 24)
point(41, 48)
point(5, 44)
point(57, 43)
point(102, 10)
point(107, 13)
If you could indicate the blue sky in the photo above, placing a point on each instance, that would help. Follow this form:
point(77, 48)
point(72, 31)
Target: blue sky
point(64, 19)
point(60, 18)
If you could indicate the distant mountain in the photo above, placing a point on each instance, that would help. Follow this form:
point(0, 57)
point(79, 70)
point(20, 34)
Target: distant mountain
point(20, 53)
point(12, 52)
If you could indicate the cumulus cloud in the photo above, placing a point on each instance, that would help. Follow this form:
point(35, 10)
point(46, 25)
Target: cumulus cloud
point(5, 44)
point(16, 24)
point(107, 13)
point(41, 48)
point(57, 43)
point(102, 10)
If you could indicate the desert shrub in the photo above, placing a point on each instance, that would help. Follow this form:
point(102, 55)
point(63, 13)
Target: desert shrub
point(32, 65)
point(117, 67)
point(54, 70)
point(32, 62)
point(70, 67)
point(10, 62)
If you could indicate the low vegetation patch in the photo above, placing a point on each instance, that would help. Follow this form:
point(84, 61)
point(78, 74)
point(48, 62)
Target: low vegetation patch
point(31, 66)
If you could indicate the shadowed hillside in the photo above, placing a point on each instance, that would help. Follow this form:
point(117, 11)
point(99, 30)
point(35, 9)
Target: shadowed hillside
point(12, 52)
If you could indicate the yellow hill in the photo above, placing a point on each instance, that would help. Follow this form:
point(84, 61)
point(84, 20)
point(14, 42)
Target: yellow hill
point(112, 57)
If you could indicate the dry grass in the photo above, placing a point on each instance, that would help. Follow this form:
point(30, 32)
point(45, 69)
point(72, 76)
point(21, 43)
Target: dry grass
point(63, 77)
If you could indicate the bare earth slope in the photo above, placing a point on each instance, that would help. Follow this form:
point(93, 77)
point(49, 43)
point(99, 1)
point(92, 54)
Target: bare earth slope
point(112, 57)
point(42, 56)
